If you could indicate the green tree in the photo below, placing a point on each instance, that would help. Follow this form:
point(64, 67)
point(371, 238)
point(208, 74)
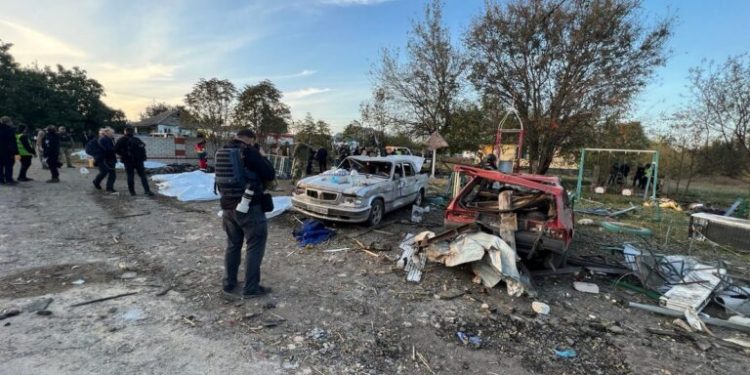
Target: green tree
point(58, 96)
point(260, 108)
point(564, 65)
point(209, 105)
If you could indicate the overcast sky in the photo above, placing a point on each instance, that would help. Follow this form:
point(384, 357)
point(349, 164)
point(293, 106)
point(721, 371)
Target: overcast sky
point(318, 52)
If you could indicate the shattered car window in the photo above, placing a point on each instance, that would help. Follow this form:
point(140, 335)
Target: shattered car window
point(371, 168)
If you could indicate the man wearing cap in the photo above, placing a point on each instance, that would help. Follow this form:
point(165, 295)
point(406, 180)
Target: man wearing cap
point(250, 227)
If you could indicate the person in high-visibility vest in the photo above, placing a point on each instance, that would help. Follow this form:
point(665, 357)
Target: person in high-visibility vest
point(25, 151)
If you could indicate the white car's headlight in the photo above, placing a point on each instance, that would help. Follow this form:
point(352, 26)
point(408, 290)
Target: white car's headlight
point(353, 200)
point(299, 189)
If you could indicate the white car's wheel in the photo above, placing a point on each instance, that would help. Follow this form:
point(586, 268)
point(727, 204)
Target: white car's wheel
point(377, 210)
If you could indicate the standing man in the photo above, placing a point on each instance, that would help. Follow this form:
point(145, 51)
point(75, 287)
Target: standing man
point(200, 150)
point(322, 157)
point(51, 149)
point(251, 226)
point(66, 145)
point(8, 150)
point(106, 159)
point(40, 147)
point(132, 153)
point(25, 151)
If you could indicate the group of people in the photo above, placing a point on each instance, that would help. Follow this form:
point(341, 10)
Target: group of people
point(132, 153)
point(50, 145)
point(618, 174)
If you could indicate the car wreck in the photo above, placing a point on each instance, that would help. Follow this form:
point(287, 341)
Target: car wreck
point(543, 222)
point(362, 189)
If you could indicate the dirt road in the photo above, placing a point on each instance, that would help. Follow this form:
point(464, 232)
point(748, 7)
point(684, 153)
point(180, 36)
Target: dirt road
point(330, 313)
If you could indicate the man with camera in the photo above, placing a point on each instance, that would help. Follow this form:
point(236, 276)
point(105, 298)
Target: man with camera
point(241, 174)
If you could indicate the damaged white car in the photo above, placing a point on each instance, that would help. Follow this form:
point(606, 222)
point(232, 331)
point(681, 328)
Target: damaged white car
point(362, 189)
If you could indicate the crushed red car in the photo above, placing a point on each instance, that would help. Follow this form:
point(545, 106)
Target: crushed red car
point(543, 211)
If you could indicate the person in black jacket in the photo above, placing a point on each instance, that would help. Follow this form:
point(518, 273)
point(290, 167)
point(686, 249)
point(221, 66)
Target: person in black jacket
point(8, 150)
point(106, 160)
point(66, 145)
point(25, 150)
point(132, 153)
point(250, 227)
point(51, 149)
point(322, 157)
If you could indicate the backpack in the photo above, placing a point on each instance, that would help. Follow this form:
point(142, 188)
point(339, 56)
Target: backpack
point(93, 148)
point(231, 176)
point(136, 149)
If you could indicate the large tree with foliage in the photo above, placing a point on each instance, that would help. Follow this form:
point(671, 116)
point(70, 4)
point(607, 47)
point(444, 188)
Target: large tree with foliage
point(313, 133)
point(58, 96)
point(259, 107)
point(418, 93)
point(721, 101)
point(209, 105)
point(564, 65)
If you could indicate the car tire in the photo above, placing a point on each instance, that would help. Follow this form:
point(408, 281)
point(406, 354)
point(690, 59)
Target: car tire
point(377, 211)
point(419, 200)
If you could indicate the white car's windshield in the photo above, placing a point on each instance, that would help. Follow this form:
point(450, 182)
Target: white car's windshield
point(371, 168)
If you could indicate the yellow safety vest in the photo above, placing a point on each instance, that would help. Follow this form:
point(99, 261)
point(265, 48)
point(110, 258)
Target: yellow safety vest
point(21, 149)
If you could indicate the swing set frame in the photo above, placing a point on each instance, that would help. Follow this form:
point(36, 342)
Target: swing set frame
point(649, 185)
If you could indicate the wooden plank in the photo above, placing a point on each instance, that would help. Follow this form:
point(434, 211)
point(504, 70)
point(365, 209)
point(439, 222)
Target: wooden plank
point(508, 221)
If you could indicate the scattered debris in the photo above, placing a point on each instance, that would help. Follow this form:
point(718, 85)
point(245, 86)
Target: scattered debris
point(9, 313)
point(39, 305)
point(720, 229)
point(129, 275)
point(618, 227)
point(664, 203)
point(450, 294)
point(336, 250)
point(586, 287)
point(585, 221)
point(469, 339)
point(78, 282)
point(603, 211)
point(312, 232)
point(417, 213)
point(677, 314)
point(565, 352)
point(540, 308)
point(103, 299)
point(133, 314)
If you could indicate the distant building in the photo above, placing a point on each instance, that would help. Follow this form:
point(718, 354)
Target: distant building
point(166, 124)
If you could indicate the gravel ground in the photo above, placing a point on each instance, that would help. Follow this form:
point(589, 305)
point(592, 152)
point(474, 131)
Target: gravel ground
point(330, 313)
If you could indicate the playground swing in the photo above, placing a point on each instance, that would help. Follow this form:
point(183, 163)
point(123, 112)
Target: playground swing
point(617, 175)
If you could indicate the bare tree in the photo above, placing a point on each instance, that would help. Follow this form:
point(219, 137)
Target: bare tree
point(418, 95)
point(210, 105)
point(722, 100)
point(564, 65)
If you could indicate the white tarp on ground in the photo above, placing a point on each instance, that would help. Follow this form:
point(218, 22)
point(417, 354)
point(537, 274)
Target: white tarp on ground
point(186, 187)
point(148, 164)
point(199, 186)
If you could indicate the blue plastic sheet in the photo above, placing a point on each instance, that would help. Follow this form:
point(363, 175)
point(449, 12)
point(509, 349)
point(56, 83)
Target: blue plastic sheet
point(312, 232)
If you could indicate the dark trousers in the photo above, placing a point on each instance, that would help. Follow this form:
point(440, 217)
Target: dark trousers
point(106, 169)
point(323, 165)
point(251, 228)
point(25, 164)
point(130, 170)
point(54, 164)
point(6, 168)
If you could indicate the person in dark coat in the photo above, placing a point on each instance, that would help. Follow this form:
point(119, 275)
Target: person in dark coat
point(322, 157)
point(250, 227)
point(25, 150)
point(106, 160)
point(132, 153)
point(51, 149)
point(8, 150)
point(66, 145)
point(310, 158)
